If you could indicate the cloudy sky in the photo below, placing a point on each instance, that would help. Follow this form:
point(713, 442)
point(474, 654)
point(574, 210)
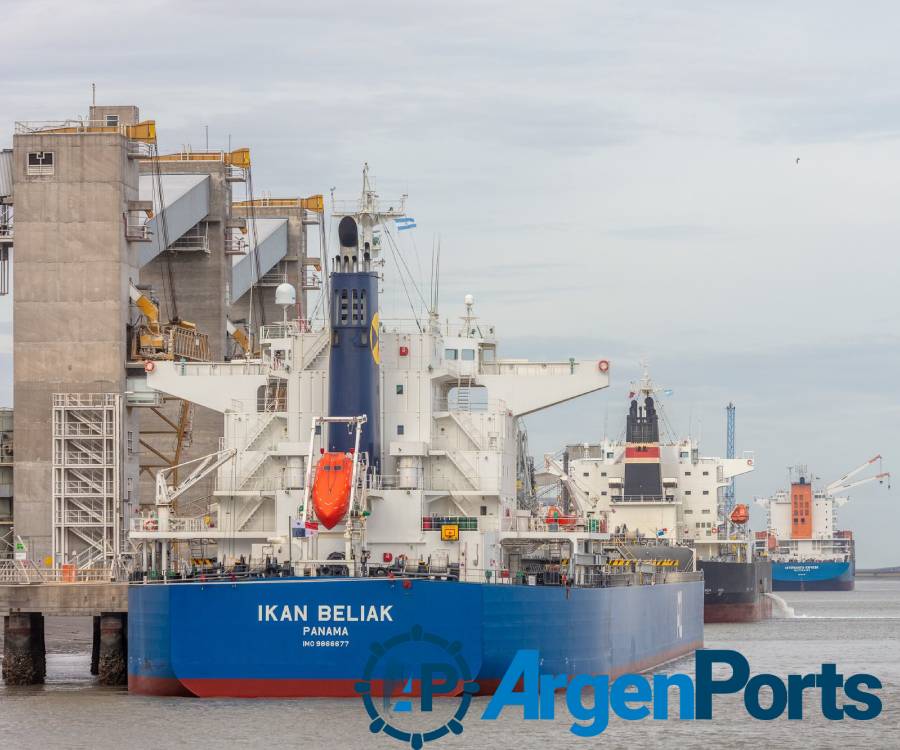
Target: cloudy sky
point(606, 179)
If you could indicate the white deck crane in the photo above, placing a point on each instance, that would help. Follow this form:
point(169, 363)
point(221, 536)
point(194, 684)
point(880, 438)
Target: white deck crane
point(842, 484)
point(166, 495)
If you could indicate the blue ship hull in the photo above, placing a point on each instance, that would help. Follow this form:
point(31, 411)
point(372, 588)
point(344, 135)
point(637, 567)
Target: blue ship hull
point(313, 637)
point(813, 576)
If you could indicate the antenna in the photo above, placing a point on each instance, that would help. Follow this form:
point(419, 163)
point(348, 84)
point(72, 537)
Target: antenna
point(93, 94)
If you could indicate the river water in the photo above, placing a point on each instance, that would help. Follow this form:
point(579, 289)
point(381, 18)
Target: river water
point(859, 630)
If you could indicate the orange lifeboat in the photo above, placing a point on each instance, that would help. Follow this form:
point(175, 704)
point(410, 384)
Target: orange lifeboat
point(331, 488)
point(555, 515)
point(740, 514)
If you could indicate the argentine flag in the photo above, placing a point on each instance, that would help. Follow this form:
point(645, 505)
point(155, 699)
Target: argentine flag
point(404, 223)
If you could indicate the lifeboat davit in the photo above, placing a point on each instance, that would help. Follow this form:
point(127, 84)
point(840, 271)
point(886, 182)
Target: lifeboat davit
point(740, 514)
point(331, 488)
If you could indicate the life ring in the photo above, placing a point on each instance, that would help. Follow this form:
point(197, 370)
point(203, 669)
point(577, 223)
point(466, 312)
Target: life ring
point(149, 366)
point(603, 365)
point(151, 524)
point(749, 462)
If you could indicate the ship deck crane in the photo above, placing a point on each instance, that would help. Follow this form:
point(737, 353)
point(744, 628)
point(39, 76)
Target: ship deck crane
point(166, 495)
point(841, 483)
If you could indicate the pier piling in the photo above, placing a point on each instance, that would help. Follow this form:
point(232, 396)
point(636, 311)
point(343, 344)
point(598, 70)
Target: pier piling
point(24, 654)
point(112, 652)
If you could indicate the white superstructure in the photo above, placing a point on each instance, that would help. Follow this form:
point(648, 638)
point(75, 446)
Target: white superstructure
point(446, 493)
point(683, 508)
point(801, 523)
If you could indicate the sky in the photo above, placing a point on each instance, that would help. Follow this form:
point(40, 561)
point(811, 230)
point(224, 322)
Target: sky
point(608, 179)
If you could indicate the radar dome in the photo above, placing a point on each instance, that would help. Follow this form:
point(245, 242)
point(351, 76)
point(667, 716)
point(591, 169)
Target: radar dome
point(470, 300)
point(285, 294)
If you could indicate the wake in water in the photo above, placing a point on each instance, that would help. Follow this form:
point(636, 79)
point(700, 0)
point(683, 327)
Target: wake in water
point(782, 609)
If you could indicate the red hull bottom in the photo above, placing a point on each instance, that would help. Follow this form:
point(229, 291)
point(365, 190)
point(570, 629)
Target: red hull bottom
point(761, 609)
point(254, 688)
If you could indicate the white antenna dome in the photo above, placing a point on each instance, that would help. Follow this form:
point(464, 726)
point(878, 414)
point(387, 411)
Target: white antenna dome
point(470, 300)
point(285, 295)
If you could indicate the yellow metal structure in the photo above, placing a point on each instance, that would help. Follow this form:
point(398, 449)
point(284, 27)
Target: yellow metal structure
point(178, 339)
point(240, 157)
point(314, 203)
point(239, 335)
point(144, 131)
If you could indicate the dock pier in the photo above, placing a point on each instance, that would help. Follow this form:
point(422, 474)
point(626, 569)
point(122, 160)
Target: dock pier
point(24, 607)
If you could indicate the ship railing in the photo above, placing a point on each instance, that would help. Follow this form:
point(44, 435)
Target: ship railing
point(436, 523)
point(528, 368)
point(492, 406)
point(192, 524)
point(250, 482)
point(26, 572)
point(207, 369)
point(623, 498)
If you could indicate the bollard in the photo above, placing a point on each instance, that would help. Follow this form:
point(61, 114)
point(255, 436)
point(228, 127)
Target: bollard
point(112, 661)
point(24, 655)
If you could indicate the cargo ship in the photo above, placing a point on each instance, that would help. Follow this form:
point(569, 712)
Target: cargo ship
point(374, 486)
point(646, 488)
point(807, 552)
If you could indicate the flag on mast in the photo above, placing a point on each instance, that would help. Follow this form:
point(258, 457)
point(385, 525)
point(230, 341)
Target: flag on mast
point(404, 222)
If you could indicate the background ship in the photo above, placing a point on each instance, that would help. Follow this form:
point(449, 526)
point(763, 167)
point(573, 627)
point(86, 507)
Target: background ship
point(436, 531)
point(665, 491)
point(807, 553)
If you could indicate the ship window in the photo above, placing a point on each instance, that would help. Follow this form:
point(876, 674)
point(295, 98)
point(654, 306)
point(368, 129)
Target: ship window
point(354, 309)
point(337, 467)
point(363, 313)
point(687, 473)
point(687, 492)
point(400, 429)
point(468, 355)
point(609, 455)
point(399, 389)
point(327, 467)
point(688, 510)
point(484, 510)
point(586, 474)
point(603, 492)
point(451, 354)
point(697, 524)
point(706, 473)
point(342, 307)
point(683, 454)
point(602, 473)
point(705, 492)
point(112, 120)
point(706, 510)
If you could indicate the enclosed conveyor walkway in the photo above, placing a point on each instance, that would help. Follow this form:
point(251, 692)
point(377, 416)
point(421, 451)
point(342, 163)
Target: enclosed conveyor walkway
point(185, 200)
point(268, 246)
